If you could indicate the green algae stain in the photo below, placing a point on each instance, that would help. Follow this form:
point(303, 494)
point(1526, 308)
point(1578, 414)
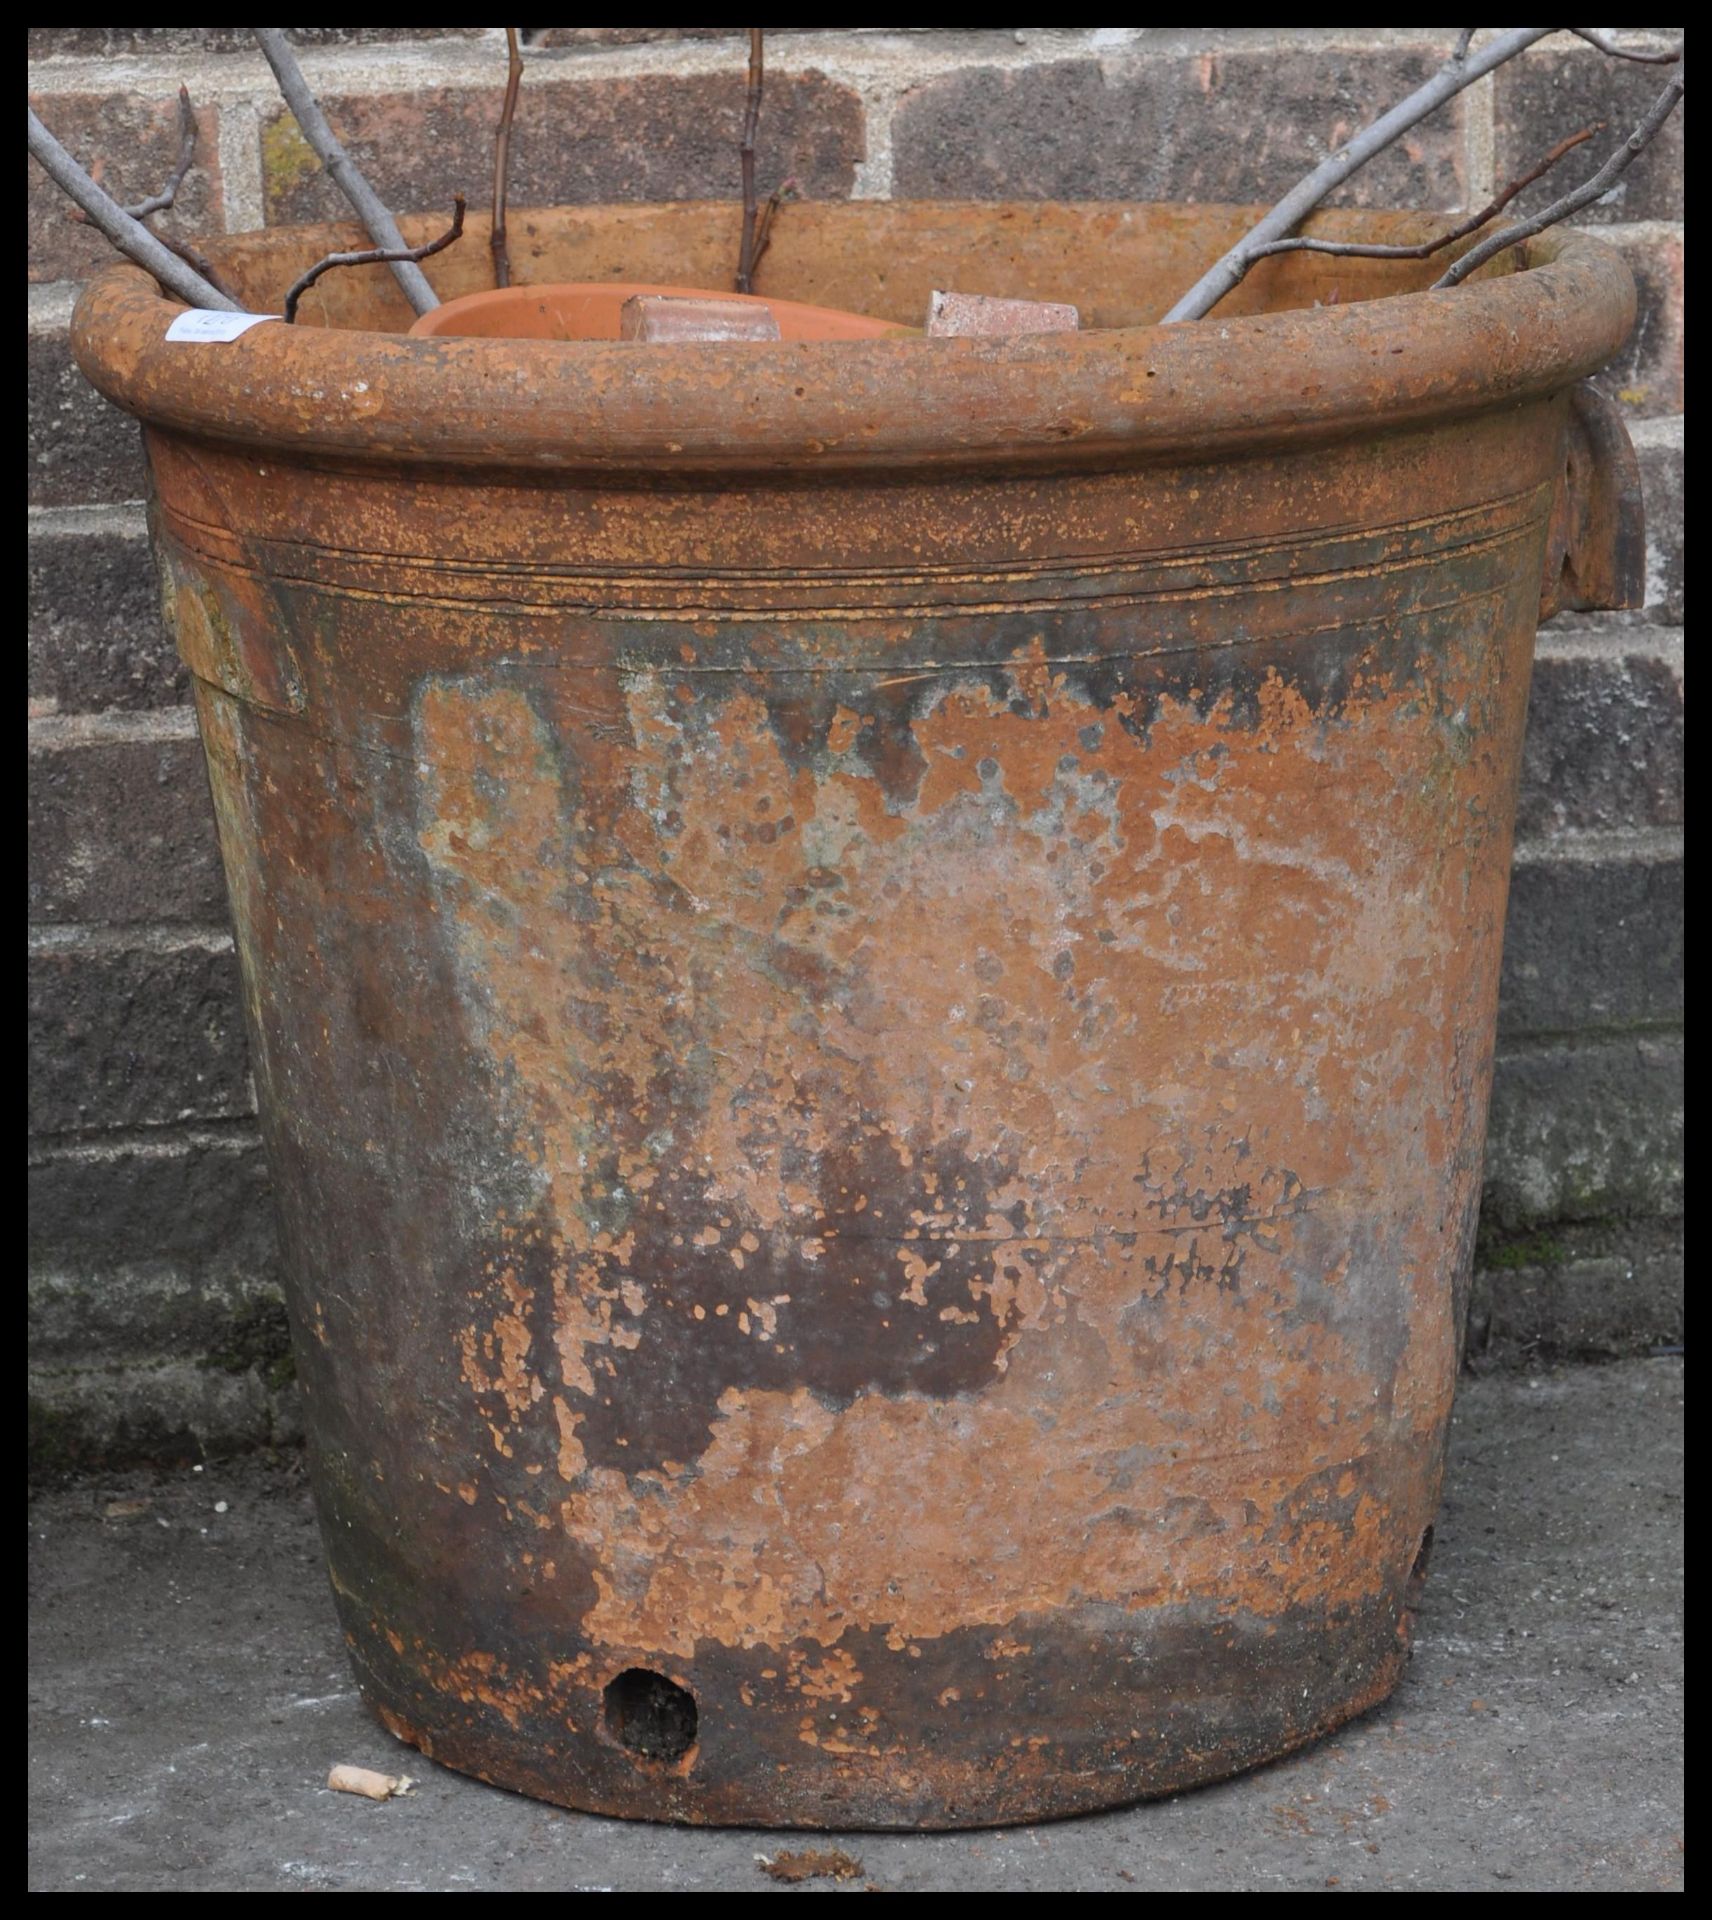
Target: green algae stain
point(287, 161)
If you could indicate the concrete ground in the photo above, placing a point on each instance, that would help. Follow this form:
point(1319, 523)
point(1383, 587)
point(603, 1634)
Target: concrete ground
point(189, 1693)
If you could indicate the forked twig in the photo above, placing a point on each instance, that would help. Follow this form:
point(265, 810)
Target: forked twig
point(373, 257)
point(127, 233)
point(746, 255)
point(1583, 196)
point(346, 175)
point(786, 190)
point(502, 160)
point(160, 202)
point(1362, 250)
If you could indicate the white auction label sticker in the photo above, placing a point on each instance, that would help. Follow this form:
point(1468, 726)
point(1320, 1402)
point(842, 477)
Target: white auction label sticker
point(201, 323)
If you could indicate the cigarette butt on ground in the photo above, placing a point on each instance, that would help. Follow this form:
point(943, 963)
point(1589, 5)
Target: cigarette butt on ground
point(371, 1785)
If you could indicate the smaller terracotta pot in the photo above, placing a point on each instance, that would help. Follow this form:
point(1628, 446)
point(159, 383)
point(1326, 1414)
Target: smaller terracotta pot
point(589, 310)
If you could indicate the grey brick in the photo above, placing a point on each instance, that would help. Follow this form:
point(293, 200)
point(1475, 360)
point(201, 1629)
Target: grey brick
point(1588, 1130)
point(195, 1201)
point(154, 1294)
point(104, 43)
point(1235, 125)
point(574, 38)
point(1555, 90)
point(120, 827)
point(80, 448)
point(95, 634)
point(81, 1418)
point(1570, 1294)
point(134, 1035)
point(1594, 938)
point(1647, 376)
point(1659, 451)
point(651, 136)
point(130, 142)
point(133, 1311)
point(1661, 482)
point(1604, 743)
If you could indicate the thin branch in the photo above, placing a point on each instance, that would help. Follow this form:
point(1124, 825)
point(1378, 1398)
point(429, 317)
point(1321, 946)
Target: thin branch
point(373, 257)
point(1460, 71)
point(1464, 40)
point(751, 120)
point(199, 261)
point(129, 235)
point(370, 208)
point(502, 160)
point(1583, 196)
point(786, 190)
point(1595, 37)
point(1360, 250)
point(159, 202)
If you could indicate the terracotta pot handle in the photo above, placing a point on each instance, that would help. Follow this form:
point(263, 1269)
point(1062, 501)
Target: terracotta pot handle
point(1596, 555)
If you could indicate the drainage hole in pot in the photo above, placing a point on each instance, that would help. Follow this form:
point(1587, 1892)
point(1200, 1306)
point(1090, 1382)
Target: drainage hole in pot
point(651, 1715)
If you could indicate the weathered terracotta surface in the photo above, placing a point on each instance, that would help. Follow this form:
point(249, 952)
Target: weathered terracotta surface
point(872, 972)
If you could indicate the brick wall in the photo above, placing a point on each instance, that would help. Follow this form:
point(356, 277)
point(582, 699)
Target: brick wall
point(155, 1310)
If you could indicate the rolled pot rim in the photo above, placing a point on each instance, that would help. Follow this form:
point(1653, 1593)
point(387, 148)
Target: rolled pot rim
point(1103, 396)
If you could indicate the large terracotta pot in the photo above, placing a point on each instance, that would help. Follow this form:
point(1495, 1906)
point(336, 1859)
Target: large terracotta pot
point(872, 970)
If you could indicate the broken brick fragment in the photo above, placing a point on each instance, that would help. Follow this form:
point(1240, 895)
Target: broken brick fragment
point(953, 314)
point(665, 319)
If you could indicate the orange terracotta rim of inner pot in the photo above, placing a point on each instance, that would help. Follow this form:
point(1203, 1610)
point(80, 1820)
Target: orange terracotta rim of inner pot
point(1112, 395)
point(590, 310)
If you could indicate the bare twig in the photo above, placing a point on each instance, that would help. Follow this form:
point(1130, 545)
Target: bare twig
point(370, 208)
point(502, 160)
point(373, 257)
point(159, 202)
point(199, 261)
point(1461, 70)
point(1595, 37)
point(746, 255)
point(1361, 250)
point(784, 191)
point(128, 234)
point(1583, 196)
